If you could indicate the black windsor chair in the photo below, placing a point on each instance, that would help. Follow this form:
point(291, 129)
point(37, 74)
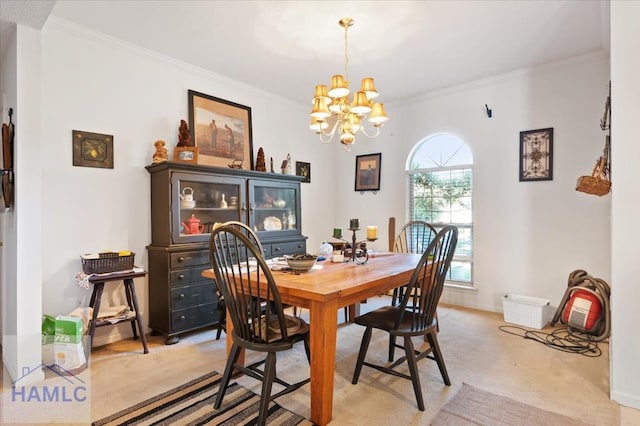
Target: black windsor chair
point(415, 316)
point(222, 307)
point(414, 237)
point(253, 303)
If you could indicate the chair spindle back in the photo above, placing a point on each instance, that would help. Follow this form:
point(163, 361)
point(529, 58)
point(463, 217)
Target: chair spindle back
point(427, 282)
point(414, 237)
point(244, 278)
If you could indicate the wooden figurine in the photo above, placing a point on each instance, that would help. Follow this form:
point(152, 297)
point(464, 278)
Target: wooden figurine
point(184, 136)
point(260, 163)
point(160, 154)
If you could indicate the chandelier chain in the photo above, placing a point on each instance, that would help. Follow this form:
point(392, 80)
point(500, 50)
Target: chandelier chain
point(346, 54)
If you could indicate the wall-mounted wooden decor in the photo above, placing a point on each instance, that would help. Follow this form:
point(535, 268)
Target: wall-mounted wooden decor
point(92, 149)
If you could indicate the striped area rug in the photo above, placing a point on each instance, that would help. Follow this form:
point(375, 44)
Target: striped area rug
point(192, 404)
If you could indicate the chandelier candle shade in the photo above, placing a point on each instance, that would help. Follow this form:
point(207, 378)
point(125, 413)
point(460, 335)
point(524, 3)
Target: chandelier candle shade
point(333, 105)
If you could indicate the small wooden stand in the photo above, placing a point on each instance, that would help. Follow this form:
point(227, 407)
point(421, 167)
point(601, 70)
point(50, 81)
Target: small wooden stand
point(132, 300)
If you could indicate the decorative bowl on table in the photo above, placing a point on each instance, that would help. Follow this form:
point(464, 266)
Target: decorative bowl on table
point(301, 262)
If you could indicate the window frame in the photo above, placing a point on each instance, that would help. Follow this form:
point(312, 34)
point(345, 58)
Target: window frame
point(410, 173)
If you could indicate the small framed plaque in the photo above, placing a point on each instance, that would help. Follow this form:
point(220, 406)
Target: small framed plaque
point(304, 169)
point(186, 154)
point(92, 149)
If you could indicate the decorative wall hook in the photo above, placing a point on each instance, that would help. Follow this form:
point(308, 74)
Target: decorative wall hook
point(488, 111)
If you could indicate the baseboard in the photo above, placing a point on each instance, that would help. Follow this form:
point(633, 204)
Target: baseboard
point(628, 400)
point(109, 338)
point(465, 297)
point(115, 333)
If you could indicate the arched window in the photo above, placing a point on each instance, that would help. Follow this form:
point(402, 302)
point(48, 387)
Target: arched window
point(440, 174)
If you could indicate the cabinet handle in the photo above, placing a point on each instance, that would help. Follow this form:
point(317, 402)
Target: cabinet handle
point(250, 207)
point(182, 317)
point(181, 259)
point(299, 245)
point(181, 296)
point(181, 277)
point(276, 249)
point(243, 208)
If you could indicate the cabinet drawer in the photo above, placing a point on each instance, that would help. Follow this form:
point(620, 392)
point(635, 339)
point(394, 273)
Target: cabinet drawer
point(189, 258)
point(182, 297)
point(280, 249)
point(196, 316)
point(187, 276)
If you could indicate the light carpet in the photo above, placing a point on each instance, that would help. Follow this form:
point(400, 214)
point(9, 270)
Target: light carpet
point(472, 406)
point(192, 403)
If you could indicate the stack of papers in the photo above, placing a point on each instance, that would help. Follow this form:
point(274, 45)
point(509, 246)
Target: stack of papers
point(115, 314)
point(278, 264)
point(113, 311)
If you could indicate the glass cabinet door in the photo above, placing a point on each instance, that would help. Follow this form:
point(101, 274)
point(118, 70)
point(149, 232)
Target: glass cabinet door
point(274, 207)
point(200, 201)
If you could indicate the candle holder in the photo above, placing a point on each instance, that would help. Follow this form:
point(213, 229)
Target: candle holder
point(358, 253)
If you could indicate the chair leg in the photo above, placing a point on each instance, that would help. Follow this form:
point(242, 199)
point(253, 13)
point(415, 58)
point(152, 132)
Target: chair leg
point(394, 296)
point(265, 397)
point(222, 325)
point(361, 355)
point(226, 378)
point(392, 347)
point(219, 332)
point(307, 350)
point(413, 369)
point(437, 354)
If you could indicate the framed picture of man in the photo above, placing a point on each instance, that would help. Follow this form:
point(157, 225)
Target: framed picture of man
point(368, 172)
point(221, 131)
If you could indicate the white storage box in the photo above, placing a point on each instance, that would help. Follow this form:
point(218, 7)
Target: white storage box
point(528, 311)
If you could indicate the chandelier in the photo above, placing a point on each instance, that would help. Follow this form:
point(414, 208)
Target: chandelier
point(333, 109)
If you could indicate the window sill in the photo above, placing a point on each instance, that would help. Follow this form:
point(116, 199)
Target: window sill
point(450, 285)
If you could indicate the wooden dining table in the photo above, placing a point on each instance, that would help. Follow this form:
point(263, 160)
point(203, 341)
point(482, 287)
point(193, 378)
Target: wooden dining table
point(325, 289)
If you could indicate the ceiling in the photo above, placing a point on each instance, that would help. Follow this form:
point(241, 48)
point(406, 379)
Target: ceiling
point(286, 47)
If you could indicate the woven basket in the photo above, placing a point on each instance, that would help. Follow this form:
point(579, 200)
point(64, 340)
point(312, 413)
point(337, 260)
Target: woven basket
point(108, 262)
point(597, 183)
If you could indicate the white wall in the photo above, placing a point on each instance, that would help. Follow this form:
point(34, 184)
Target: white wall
point(625, 146)
point(22, 290)
point(28, 195)
point(528, 235)
point(8, 233)
point(95, 83)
